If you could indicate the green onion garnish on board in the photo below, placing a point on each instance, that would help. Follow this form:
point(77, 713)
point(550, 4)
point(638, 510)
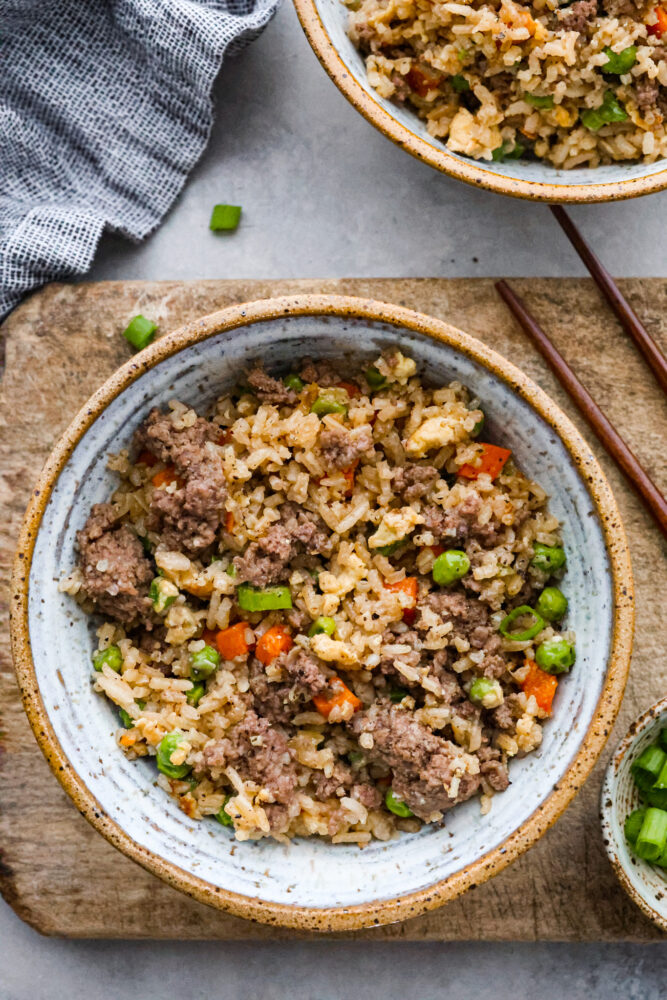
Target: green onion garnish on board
point(225, 218)
point(139, 332)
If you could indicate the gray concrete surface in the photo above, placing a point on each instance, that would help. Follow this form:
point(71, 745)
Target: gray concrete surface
point(325, 195)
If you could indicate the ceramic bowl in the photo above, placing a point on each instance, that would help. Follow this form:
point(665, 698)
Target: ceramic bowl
point(325, 25)
point(312, 884)
point(644, 883)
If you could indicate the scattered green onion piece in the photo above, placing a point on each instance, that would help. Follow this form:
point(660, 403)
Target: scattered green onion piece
point(524, 634)
point(375, 378)
point(222, 815)
point(162, 593)
point(551, 604)
point(478, 428)
point(167, 746)
point(139, 332)
point(633, 825)
point(293, 382)
point(449, 567)
point(619, 63)
point(325, 403)
point(231, 570)
point(148, 548)
point(611, 110)
point(548, 558)
point(195, 694)
point(268, 599)
point(539, 102)
point(480, 688)
point(126, 719)
point(508, 151)
point(555, 656)
point(203, 663)
point(355, 757)
point(323, 624)
point(652, 838)
point(647, 767)
point(388, 550)
point(224, 217)
point(397, 694)
point(109, 657)
point(459, 83)
point(396, 805)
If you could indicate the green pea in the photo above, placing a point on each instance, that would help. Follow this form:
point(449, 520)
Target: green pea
point(551, 604)
point(322, 625)
point(195, 694)
point(203, 663)
point(619, 63)
point(109, 657)
point(293, 382)
point(167, 746)
point(449, 567)
point(375, 378)
point(555, 656)
point(548, 558)
point(222, 815)
point(397, 694)
point(480, 688)
point(396, 805)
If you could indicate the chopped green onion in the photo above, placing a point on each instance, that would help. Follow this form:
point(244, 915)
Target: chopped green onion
point(551, 604)
point(661, 780)
point(508, 151)
point(203, 663)
point(388, 550)
point(619, 63)
point(611, 110)
point(478, 428)
point(109, 657)
point(321, 625)
point(293, 382)
point(139, 332)
point(167, 746)
point(633, 825)
point(539, 102)
point(449, 567)
point(225, 217)
point(126, 718)
point(195, 694)
point(524, 634)
point(231, 570)
point(328, 402)
point(652, 838)
point(398, 694)
point(222, 815)
point(268, 599)
point(396, 805)
point(375, 378)
point(655, 797)
point(148, 548)
point(162, 593)
point(459, 83)
point(647, 767)
point(548, 558)
point(662, 739)
point(555, 656)
point(480, 689)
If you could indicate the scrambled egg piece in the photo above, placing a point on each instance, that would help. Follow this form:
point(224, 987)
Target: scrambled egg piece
point(395, 525)
point(400, 370)
point(434, 433)
point(333, 650)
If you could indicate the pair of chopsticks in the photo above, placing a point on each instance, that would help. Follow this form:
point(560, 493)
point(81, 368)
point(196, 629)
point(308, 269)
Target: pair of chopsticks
point(643, 485)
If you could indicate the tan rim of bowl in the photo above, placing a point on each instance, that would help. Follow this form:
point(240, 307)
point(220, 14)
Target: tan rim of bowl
point(411, 904)
point(471, 171)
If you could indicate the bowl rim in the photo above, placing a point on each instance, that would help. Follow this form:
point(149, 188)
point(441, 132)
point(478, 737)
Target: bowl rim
point(410, 904)
point(470, 171)
point(607, 800)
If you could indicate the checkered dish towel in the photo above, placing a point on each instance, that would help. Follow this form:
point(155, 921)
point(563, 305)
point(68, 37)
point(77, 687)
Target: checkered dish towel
point(105, 107)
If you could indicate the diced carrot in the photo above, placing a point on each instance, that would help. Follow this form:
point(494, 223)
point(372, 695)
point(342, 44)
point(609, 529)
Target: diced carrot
point(165, 477)
point(224, 437)
point(340, 696)
point(276, 640)
point(232, 642)
point(229, 522)
point(129, 738)
point(407, 586)
point(492, 462)
point(146, 457)
point(660, 27)
point(541, 685)
point(421, 82)
point(349, 478)
point(437, 550)
point(350, 388)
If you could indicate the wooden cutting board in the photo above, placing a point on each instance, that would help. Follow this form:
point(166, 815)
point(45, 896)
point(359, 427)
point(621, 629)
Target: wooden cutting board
point(55, 870)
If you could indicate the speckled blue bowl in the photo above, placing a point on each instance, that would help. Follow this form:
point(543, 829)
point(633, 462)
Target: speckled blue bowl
point(312, 884)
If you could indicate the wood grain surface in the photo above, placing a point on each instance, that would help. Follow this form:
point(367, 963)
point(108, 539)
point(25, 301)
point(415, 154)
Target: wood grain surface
point(55, 870)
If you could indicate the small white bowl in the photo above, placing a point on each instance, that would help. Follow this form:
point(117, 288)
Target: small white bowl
point(644, 883)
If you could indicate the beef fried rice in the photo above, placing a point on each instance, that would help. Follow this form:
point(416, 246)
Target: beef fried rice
point(576, 84)
point(326, 605)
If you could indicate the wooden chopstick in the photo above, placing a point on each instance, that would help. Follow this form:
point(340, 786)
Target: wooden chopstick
point(646, 489)
point(626, 315)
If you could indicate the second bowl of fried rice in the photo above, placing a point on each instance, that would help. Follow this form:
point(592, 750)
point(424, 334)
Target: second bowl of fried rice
point(328, 611)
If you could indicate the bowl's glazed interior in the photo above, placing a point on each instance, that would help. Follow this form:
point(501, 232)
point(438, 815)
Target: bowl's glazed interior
point(325, 23)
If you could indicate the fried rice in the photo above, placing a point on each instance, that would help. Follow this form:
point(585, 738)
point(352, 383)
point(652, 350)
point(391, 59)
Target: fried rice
point(276, 631)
